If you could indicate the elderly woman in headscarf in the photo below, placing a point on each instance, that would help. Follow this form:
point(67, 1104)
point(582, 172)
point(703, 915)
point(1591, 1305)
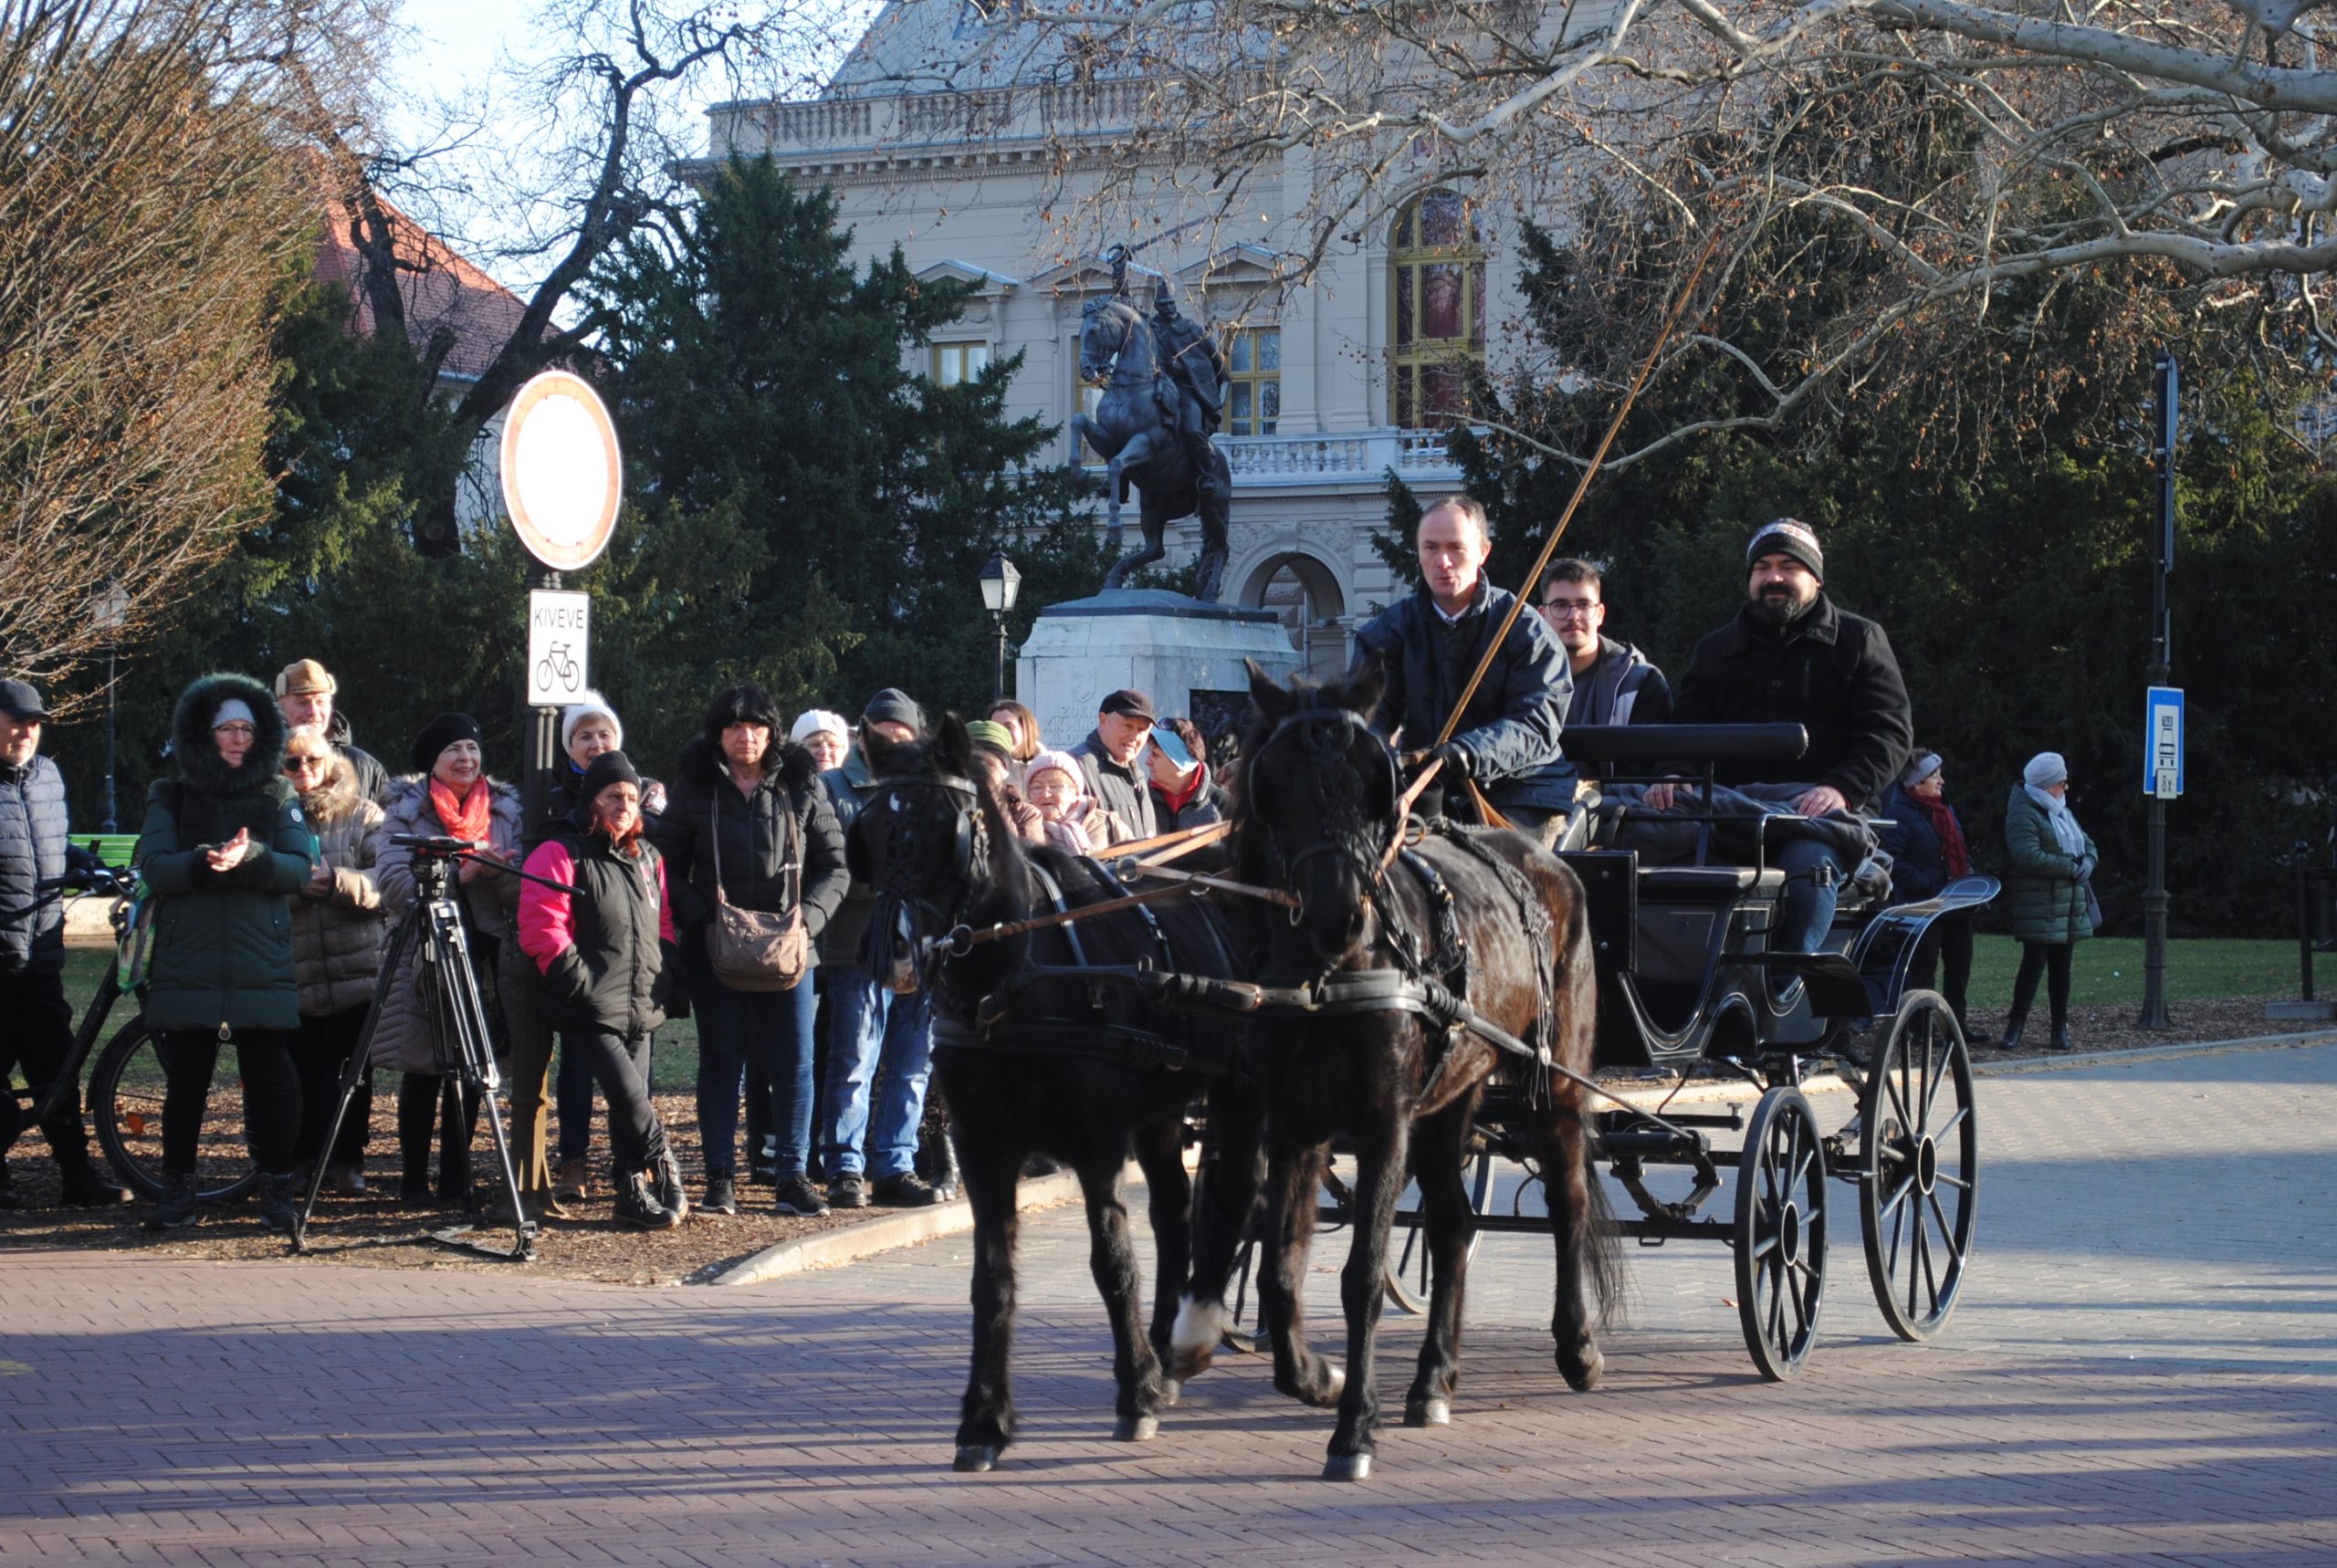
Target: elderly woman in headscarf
point(2053, 901)
point(1928, 850)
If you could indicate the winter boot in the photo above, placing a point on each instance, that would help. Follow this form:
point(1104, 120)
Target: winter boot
point(665, 1172)
point(637, 1206)
point(2061, 1036)
point(82, 1187)
point(2013, 1025)
point(722, 1193)
point(278, 1209)
point(180, 1206)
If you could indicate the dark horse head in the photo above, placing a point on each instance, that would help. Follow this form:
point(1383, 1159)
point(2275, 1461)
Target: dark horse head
point(928, 842)
point(1318, 799)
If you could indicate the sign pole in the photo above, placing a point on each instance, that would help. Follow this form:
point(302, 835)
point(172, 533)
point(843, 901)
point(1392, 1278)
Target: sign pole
point(539, 726)
point(2154, 895)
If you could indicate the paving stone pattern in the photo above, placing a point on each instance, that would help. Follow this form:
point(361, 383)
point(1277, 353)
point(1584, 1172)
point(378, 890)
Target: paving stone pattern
point(2142, 1371)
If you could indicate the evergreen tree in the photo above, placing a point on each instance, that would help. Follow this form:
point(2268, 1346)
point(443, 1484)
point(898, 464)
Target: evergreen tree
point(806, 509)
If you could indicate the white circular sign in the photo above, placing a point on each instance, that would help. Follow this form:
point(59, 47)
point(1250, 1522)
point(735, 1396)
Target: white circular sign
point(563, 477)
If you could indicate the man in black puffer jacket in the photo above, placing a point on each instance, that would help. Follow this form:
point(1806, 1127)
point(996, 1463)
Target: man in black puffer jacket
point(34, 851)
point(1790, 656)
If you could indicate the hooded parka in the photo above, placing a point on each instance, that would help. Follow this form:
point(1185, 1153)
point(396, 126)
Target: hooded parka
point(223, 940)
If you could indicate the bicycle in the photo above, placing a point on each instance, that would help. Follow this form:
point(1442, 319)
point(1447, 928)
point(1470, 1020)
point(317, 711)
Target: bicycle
point(126, 1088)
point(557, 671)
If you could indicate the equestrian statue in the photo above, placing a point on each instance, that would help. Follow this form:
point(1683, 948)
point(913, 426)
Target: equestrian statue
point(1164, 395)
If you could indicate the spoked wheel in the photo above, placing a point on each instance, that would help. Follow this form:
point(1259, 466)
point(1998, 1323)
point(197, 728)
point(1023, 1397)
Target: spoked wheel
point(1409, 1279)
point(1780, 1236)
point(1918, 1167)
point(126, 1104)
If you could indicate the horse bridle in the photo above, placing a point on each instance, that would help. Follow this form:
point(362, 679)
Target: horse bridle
point(970, 850)
point(1370, 861)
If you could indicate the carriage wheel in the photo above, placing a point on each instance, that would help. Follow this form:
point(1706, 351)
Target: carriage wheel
point(1780, 1236)
point(126, 1107)
point(1409, 1275)
point(1918, 1167)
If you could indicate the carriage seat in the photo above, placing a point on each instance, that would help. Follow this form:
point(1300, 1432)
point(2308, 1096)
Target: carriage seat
point(1708, 883)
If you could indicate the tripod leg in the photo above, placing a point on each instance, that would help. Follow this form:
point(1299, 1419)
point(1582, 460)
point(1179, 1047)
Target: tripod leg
point(355, 1071)
point(467, 1012)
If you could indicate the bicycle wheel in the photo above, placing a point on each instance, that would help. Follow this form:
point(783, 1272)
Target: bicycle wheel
point(126, 1102)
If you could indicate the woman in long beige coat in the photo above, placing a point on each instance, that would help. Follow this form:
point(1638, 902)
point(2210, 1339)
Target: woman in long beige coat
point(338, 930)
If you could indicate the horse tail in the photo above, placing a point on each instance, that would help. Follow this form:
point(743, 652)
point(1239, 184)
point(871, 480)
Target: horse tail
point(1576, 992)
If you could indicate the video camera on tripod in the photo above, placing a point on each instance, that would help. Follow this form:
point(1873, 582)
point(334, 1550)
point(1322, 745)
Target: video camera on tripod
point(433, 928)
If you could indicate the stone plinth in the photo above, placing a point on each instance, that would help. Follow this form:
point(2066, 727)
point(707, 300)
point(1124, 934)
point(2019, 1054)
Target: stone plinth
point(1187, 655)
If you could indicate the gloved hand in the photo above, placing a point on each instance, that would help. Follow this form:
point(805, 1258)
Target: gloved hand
point(1458, 763)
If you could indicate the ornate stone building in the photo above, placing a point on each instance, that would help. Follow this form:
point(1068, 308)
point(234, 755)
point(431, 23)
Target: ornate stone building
point(1334, 385)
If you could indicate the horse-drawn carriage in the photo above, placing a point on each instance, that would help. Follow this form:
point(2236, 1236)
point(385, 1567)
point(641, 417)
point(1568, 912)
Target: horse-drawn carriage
point(1431, 998)
point(1688, 986)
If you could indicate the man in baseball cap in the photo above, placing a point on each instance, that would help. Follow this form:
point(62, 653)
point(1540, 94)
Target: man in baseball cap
point(1791, 656)
point(304, 695)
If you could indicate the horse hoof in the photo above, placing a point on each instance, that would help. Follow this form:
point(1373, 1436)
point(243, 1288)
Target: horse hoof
point(1135, 1429)
point(1428, 1413)
point(1347, 1468)
point(1582, 1371)
point(1171, 1391)
point(974, 1458)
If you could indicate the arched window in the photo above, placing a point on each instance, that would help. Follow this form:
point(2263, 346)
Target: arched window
point(1437, 263)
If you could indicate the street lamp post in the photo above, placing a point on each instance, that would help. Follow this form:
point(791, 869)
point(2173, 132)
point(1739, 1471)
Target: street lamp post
point(1001, 582)
point(110, 609)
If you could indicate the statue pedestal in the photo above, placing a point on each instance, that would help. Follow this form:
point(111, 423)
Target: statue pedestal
point(1185, 655)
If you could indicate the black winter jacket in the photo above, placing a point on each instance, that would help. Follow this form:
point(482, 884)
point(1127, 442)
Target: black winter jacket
point(780, 844)
point(1511, 725)
point(601, 950)
point(34, 849)
point(1831, 671)
point(1918, 863)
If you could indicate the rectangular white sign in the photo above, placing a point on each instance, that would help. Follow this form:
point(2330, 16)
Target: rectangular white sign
point(559, 634)
point(2162, 743)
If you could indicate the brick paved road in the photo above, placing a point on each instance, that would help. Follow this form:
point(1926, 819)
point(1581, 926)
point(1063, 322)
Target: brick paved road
point(2142, 1371)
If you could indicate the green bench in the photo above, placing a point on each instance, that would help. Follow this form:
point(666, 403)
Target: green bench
point(113, 848)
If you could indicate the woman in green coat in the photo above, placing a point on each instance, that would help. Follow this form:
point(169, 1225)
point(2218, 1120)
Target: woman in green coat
point(2052, 900)
point(222, 850)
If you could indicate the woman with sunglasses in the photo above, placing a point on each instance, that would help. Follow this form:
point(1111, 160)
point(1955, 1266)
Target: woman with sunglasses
point(337, 931)
point(224, 846)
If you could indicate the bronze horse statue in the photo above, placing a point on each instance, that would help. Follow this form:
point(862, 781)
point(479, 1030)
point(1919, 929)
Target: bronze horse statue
point(1136, 429)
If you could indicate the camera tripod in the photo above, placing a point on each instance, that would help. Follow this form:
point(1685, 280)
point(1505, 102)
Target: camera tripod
point(433, 928)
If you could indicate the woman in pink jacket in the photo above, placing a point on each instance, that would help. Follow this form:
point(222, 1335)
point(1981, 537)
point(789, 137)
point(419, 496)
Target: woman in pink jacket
point(604, 952)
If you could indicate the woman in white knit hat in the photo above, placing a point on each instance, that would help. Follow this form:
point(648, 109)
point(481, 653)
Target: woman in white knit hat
point(2053, 901)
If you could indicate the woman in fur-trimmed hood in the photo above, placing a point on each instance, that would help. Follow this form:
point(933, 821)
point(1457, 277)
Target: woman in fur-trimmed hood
point(223, 848)
point(745, 797)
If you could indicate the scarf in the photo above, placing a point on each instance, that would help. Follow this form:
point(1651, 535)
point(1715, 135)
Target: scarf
point(2066, 832)
point(1954, 854)
point(467, 818)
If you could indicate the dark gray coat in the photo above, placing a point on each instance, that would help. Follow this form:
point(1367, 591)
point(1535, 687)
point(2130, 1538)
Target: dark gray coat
point(1510, 727)
point(34, 849)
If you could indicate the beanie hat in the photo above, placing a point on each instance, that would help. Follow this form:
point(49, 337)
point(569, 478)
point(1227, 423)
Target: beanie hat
point(1926, 764)
point(235, 710)
point(2043, 771)
point(591, 704)
point(894, 705)
point(989, 732)
point(441, 733)
point(818, 720)
point(1062, 762)
point(1788, 536)
point(609, 768)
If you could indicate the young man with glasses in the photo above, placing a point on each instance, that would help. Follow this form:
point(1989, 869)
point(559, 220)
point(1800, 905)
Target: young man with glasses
point(1614, 683)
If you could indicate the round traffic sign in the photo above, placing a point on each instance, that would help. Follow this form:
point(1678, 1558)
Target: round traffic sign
point(564, 477)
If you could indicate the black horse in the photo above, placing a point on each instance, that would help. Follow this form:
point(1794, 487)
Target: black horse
point(1487, 916)
point(1037, 1064)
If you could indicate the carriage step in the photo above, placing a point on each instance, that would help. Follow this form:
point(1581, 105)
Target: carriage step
point(1659, 1144)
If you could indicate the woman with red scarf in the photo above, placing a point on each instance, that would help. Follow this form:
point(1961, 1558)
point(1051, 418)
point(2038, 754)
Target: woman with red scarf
point(1927, 851)
point(451, 796)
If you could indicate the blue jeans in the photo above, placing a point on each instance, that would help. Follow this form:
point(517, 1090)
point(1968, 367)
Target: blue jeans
point(880, 1050)
point(770, 1029)
point(1805, 909)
